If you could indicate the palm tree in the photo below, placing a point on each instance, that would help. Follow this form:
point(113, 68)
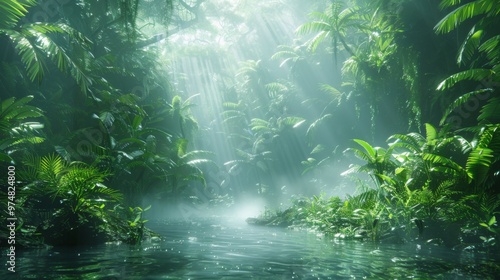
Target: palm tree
point(335, 23)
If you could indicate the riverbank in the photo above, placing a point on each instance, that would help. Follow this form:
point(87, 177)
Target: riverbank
point(364, 217)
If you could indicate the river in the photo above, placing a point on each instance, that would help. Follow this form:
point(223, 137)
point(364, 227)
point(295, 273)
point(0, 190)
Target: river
point(231, 249)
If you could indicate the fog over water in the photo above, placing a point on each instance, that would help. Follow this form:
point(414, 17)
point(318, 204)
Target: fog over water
point(235, 139)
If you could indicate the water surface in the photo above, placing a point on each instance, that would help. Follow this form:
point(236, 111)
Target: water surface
point(229, 249)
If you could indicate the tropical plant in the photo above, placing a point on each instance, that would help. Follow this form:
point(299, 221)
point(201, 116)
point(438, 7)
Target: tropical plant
point(335, 23)
point(187, 166)
point(480, 49)
point(181, 117)
point(14, 127)
point(34, 44)
point(379, 162)
point(74, 195)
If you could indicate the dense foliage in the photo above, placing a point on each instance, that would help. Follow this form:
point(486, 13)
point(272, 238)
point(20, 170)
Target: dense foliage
point(88, 121)
point(441, 185)
point(97, 132)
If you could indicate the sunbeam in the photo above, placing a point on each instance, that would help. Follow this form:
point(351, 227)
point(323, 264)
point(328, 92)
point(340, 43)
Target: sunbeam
point(235, 139)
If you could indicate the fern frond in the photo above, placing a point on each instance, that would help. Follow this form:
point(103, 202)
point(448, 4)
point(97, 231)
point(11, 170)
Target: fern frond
point(51, 168)
point(330, 90)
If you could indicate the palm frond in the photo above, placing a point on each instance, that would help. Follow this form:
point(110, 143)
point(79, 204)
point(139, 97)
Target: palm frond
point(50, 168)
point(11, 11)
point(478, 74)
point(442, 161)
point(465, 12)
point(31, 56)
point(491, 47)
point(460, 101)
point(312, 129)
point(106, 118)
point(317, 40)
point(313, 27)
point(448, 3)
point(490, 113)
point(478, 163)
point(291, 121)
point(34, 43)
point(412, 141)
point(18, 110)
point(470, 45)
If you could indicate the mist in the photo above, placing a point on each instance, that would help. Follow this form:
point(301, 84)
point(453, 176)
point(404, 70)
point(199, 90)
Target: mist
point(221, 139)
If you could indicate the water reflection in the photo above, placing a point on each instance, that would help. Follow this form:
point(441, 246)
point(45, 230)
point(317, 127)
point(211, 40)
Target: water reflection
point(229, 250)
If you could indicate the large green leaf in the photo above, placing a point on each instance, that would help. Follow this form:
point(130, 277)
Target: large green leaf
point(11, 11)
point(443, 161)
point(460, 101)
point(492, 48)
point(430, 132)
point(470, 45)
point(479, 74)
point(478, 163)
point(370, 151)
point(465, 12)
point(490, 113)
point(34, 44)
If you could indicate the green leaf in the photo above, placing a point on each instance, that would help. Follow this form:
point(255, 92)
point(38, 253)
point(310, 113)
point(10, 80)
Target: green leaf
point(465, 12)
point(492, 221)
point(368, 148)
point(490, 113)
point(5, 158)
point(11, 11)
point(430, 132)
point(492, 48)
point(462, 100)
point(478, 163)
point(479, 74)
point(107, 119)
point(470, 45)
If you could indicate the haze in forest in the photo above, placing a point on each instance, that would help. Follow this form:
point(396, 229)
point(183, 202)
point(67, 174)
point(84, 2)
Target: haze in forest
point(384, 112)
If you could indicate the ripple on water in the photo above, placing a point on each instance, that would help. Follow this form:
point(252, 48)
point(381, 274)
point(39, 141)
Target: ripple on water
point(218, 250)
